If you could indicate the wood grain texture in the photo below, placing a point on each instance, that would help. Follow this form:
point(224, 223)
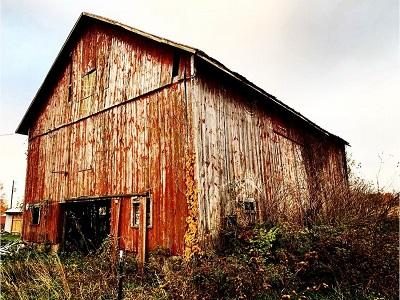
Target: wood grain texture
point(246, 148)
point(117, 122)
point(130, 137)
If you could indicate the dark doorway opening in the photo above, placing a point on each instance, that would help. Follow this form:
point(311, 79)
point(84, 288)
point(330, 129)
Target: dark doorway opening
point(86, 225)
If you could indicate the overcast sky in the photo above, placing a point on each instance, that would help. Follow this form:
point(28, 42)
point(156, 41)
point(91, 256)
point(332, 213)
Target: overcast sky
point(337, 62)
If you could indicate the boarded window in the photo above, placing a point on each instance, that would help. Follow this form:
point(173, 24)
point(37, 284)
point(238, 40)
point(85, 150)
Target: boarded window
point(35, 211)
point(88, 84)
point(87, 91)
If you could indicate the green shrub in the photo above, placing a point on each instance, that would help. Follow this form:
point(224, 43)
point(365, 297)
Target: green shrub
point(263, 240)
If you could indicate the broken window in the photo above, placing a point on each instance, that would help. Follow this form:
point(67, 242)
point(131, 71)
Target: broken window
point(35, 211)
point(135, 212)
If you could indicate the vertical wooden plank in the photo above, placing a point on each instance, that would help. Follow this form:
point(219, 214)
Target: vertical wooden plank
point(142, 233)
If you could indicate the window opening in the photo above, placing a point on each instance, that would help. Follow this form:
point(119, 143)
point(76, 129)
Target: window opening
point(249, 206)
point(149, 212)
point(35, 211)
point(135, 212)
point(86, 224)
point(102, 211)
point(175, 64)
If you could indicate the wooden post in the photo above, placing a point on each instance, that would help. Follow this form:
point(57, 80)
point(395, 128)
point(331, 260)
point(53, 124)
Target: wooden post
point(142, 233)
point(115, 207)
point(121, 260)
point(64, 223)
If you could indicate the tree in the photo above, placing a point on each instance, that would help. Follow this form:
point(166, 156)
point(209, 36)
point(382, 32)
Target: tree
point(3, 201)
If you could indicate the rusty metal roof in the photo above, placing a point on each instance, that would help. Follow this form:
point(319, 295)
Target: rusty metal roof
point(85, 17)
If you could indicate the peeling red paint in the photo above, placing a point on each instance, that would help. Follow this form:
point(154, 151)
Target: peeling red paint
point(131, 141)
point(187, 140)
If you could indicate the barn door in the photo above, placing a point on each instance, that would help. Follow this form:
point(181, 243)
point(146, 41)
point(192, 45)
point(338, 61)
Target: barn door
point(86, 224)
point(140, 221)
point(131, 218)
point(16, 226)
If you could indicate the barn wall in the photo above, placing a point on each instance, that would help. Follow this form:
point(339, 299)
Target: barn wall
point(125, 66)
point(246, 148)
point(132, 138)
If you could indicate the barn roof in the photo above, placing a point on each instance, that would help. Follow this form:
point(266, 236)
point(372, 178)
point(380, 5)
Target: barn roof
point(87, 17)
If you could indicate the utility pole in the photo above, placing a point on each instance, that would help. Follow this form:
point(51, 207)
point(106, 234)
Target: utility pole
point(12, 194)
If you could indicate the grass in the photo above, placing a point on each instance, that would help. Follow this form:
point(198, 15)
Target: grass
point(280, 262)
point(6, 238)
point(349, 252)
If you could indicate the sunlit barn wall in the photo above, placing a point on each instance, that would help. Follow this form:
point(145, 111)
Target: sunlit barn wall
point(127, 135)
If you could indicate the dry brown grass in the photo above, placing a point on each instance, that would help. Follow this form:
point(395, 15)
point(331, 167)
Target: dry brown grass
point(37, 276)
point(346, 248)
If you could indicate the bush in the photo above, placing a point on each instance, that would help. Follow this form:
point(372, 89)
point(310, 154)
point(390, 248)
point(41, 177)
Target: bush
point(348, 251)
point(264, 240)
point(281, 262)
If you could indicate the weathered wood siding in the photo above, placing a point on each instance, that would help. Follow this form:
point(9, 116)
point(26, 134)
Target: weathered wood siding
point(126, 135)
point(246, 148)
point(116, 121)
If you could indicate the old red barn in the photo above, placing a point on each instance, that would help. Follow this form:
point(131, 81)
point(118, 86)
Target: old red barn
point(159, 145)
